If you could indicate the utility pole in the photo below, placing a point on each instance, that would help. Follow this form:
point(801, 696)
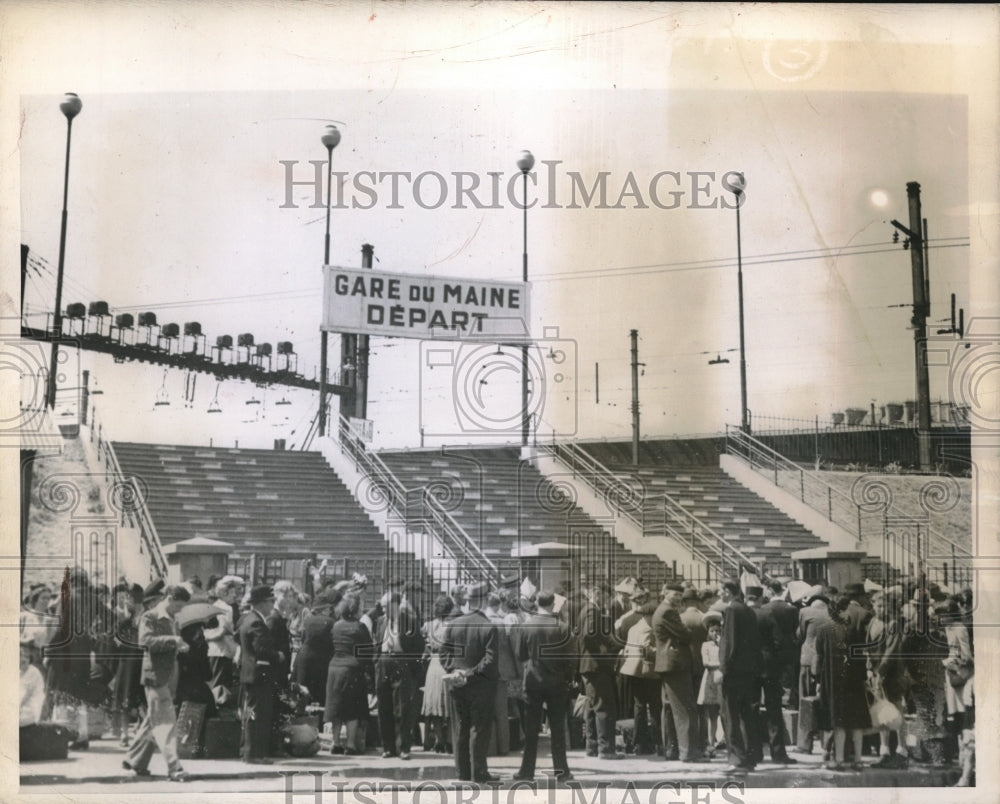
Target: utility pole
point(361, 385)
point(921, 310)
point(634, 338)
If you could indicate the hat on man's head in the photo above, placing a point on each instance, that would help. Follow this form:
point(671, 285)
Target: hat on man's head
point(477, 591)
point(673, 586)
point(853, 589)
point(510, 581)
point(260, 594)
point(691, 594)
point(754, 591)
point(153, 591)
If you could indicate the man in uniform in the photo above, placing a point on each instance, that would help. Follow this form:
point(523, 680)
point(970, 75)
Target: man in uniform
point(673, 663)
point(259, 664)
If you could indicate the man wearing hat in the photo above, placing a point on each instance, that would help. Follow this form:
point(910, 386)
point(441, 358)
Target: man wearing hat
point(598, 656)
point(159, 637)
point(548, 674)
point(673, 663)
point(469, 654)
point(693, 619)
point(775, 657)
point(259, 662)
point(739, 661)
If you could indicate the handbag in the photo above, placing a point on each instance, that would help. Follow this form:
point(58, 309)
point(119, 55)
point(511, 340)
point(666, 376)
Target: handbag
point(959, 674)
point(884, 713)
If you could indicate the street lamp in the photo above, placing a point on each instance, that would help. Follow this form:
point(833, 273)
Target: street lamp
point(330, 139)
point(70, 106)
point(525, 163)
point(738, 186)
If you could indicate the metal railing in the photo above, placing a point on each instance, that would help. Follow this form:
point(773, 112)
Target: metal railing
point(417, 508)
point(658, 513)
point(811, 490)
point(865, 522)
point(134, 511)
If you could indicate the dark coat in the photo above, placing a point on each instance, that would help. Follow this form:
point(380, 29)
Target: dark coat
point(693, 620)
point(278, 626)
point(313, 658)
point(470, 643)
point(739, 647)
point(841, 678)
point(257, 648)
point(673, 640)
point(598, 647)
point(545, 651)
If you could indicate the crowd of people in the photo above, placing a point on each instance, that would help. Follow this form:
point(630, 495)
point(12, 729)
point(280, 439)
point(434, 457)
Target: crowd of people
point(730, 672)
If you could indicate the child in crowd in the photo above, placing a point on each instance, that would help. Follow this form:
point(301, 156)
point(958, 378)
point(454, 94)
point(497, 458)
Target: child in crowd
point(710, 692)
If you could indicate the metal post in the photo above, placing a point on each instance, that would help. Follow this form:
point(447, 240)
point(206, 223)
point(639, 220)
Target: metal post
point(921, 309)
point(361, 377)
point(330, 138)
point(744, 423)
point(70, 107)
point(525, 426)
point(634, 338)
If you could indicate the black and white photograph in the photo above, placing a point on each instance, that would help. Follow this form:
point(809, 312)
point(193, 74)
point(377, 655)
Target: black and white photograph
point(515, 401)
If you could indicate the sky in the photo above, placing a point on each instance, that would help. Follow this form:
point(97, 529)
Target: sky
point(180, 204)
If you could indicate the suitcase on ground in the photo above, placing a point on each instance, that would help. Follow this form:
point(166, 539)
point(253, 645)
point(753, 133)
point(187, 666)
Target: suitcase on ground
point(809, 715)
point(190, 730)
point(222, 738)
point(44, 741)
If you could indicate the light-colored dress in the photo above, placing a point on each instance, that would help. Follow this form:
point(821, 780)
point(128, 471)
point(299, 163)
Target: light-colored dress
point(437, 702)
point(710, 692)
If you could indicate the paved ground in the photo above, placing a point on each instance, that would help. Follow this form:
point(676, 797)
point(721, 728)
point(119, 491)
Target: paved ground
point(99, 769)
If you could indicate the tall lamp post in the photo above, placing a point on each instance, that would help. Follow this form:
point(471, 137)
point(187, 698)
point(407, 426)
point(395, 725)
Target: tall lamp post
point(70, 106)
point(738, 186)
point(525, 163)
point(330, 138)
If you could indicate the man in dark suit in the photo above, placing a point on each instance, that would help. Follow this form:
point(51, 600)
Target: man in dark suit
point(739, 661)
point(786, 616)
point(470, 652)
point(673, 663)
point(692, 616)
point(399, 647)
point(259, 663)
point(774, 658)
point(598, 656)
point(543, 647)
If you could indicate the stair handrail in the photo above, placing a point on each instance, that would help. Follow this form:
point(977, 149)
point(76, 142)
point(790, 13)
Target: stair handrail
point(744, 446)
point(425, 509)
point(599, 477)
point(737, 440)
point(576, 458)
point(728, 555)
point(138, 511)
